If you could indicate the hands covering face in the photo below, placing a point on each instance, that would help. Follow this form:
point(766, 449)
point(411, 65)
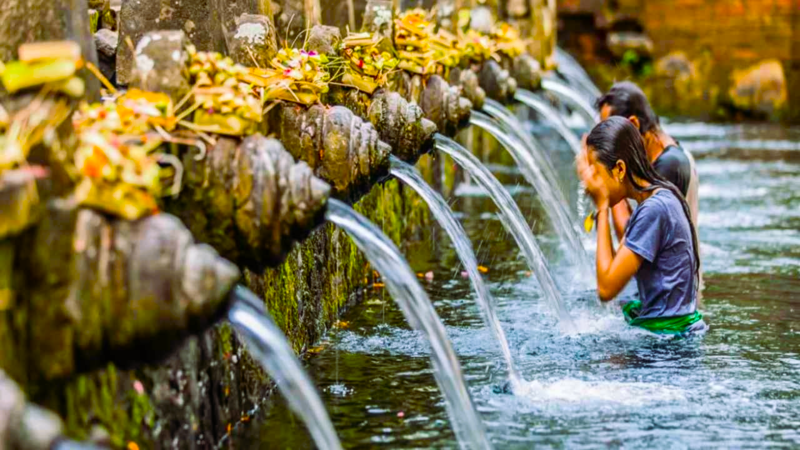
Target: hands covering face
point(593, 176)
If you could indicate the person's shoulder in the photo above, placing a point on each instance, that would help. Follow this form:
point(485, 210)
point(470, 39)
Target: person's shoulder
point(665, 202)
point(673, 157)
point(658, 203)
point(665, 197)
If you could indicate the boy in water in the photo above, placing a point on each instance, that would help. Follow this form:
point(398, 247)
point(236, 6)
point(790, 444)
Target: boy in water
point(669, 159)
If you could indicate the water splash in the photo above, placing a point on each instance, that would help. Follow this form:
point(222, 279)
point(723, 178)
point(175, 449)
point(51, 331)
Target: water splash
point(555, 207)
point(514, 222)
point(267, 344)
point(573, 97)
point(418, 310)
point(444, 215)
point(614, 392)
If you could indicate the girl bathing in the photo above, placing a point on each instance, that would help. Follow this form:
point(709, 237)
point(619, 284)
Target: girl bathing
point(659, 245)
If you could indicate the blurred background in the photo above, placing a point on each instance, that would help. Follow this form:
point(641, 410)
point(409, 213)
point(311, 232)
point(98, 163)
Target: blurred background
point(700, 59)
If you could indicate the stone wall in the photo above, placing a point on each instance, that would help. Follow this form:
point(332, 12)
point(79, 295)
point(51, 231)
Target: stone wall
point(211, 385)
point(710, 57)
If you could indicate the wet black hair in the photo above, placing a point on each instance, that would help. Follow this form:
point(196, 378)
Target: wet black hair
point(627, 99)
point(617, 139)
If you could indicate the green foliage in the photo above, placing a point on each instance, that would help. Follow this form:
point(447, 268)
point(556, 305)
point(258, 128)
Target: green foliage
point(94, 21)
point(636, 65)
point(103, 399)
point(629, 58)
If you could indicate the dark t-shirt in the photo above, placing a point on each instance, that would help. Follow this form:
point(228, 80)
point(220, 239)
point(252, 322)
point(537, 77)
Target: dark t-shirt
point(674, 165)
point(659, 232)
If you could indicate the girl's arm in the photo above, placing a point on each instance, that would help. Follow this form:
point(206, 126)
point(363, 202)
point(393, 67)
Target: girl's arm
point(614, 271)
point(621, 213)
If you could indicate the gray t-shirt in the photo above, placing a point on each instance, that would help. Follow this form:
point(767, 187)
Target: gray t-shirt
point(659, 232)
point(674, 165)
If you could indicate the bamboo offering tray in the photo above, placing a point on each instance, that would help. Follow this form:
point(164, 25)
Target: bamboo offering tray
point(367, 63)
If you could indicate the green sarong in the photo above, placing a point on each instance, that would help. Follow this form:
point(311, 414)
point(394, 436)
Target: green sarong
point(666, 325)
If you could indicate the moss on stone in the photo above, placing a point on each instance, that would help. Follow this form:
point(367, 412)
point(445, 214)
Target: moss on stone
point(105, 399)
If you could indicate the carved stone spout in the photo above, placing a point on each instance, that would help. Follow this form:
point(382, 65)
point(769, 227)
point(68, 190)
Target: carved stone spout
point(444, 105)
point(496, 81)
point(97, 290)
point(467, 80)
point(250, 200)
point(527, 71)
point(399, 123)
point(343, 149)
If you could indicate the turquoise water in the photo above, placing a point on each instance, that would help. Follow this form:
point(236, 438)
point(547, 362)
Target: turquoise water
point(609, 385)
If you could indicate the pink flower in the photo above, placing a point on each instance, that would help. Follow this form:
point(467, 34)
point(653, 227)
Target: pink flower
point(138, 387)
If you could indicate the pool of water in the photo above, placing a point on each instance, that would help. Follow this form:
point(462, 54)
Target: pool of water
point(609, 385)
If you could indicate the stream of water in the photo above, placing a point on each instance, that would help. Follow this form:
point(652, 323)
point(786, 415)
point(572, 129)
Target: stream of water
point(554, 118)
point(463, 247)
point(511, 125)
point(267, 344)
point(609, 385)
point(573, 97)
point(551, 115)
point(514, 222)
point(575, 73)
point(556, 207)
point(418, 310)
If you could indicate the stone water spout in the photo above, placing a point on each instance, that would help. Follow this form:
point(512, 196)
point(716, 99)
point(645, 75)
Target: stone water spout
point(340, 147)
point(97, 290)
point(399, 123)
point(442, 104)
point(407, 111)
point(470, 86)
point(247, 197)
point(496, 81)
point(250, 200)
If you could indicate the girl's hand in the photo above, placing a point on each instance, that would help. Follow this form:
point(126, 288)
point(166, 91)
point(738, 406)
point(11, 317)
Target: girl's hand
point(595, 184)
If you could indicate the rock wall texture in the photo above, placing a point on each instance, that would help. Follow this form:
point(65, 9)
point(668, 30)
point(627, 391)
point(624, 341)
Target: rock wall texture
point(209, 387)
point(710, 57)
